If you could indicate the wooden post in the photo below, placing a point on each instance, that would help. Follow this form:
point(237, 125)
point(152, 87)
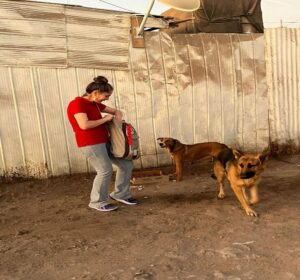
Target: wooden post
point(137, 41)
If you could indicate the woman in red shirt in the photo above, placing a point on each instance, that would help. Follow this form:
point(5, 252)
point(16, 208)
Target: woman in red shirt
point(91, 135)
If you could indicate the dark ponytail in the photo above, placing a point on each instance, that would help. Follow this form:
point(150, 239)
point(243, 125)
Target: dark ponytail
point(100, 83)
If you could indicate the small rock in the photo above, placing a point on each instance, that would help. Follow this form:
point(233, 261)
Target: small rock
point(143, 275)
point(22, 232)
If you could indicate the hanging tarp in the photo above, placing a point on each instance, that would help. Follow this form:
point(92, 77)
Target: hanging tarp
point(226, 16)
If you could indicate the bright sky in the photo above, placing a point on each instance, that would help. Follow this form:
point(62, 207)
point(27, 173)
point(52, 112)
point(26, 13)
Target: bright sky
point(275, 12)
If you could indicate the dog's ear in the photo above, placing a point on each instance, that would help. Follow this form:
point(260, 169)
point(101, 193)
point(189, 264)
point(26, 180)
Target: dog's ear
point(262, 157)
point(172, 145)
point(237, 154)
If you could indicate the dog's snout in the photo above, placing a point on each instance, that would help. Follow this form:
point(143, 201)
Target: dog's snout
point(247, 175)
point(161, 142)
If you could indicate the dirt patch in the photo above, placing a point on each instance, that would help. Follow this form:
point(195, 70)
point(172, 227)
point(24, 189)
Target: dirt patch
point(178, 231)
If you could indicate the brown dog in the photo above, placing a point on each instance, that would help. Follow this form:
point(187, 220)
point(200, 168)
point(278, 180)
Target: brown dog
point(181, 152)
point(243, 171)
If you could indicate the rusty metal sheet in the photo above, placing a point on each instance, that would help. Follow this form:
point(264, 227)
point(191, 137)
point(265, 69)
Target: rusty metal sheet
point(32, 34)
point(261, 91)
point(199, 80)
point(21, 143)
point(172, 90)
point(53, 35)
point(159, 101)
point(246, 98)
point(144, 107)
point(53, 116)
point(12, 152)
point(217, 84)
point(25, 10)
point(185, 89)
point(126, 100)
point(213, 89)
point(96, 17)
point(32, 29)
point(228, 91)
point(197, 88)
point(97, 39)
point(68, 90)
point(28, 117)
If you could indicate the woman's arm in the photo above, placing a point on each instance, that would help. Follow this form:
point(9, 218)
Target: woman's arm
point(84, 123)
point(118, 114)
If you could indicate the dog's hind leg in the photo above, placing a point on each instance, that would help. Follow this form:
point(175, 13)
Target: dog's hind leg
point(219, 173)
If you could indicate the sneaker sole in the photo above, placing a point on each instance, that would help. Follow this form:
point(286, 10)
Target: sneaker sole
point(122, 201)
point(103, 210)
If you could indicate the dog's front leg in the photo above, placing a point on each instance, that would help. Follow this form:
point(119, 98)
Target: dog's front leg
point(245, 194)
point(179, 167)
point(240, 195)
point(254, 198)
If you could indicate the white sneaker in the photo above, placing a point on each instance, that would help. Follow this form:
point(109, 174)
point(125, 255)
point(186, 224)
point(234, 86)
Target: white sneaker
point(105, 208)
point(128, 201)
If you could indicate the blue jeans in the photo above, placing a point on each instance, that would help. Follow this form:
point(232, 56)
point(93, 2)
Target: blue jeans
point(101, 159)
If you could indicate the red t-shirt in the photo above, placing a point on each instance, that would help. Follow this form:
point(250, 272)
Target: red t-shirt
point(92, 136)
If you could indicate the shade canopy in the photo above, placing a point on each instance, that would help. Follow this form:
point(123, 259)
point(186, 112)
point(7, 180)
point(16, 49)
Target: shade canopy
point(182, 5)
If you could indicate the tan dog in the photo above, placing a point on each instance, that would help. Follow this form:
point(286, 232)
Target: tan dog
point(243, 171)
point(182, 152)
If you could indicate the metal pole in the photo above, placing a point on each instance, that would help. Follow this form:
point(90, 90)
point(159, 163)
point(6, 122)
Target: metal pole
point(141, 29)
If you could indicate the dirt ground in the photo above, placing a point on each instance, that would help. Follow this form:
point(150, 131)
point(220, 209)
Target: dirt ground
point(178, 231)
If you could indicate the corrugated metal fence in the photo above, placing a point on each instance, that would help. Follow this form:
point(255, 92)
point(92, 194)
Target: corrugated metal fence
point(283, 75)
point(60, 36)
point(203, 87)
point(196, 88)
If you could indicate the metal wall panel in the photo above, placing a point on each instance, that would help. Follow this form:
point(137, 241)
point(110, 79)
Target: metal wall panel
point(32, 34)
point(23, 150)
point(97, 39)
point(185, 106)
point(196, 88)
point(144, 108)
point(68, 88)
point(158, 95)
point(212, 89)
point(58, 36)
point(283, 71)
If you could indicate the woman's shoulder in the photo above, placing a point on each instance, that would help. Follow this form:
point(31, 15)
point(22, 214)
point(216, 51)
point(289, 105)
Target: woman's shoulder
point(77, 100)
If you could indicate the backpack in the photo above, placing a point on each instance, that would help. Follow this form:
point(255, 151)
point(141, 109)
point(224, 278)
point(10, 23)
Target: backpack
point(124, 140)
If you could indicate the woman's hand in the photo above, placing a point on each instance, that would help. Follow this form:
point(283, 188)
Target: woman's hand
point(118, 115)
point(108, 117)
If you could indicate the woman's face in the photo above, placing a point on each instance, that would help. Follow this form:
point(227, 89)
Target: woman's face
point(98, 96)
